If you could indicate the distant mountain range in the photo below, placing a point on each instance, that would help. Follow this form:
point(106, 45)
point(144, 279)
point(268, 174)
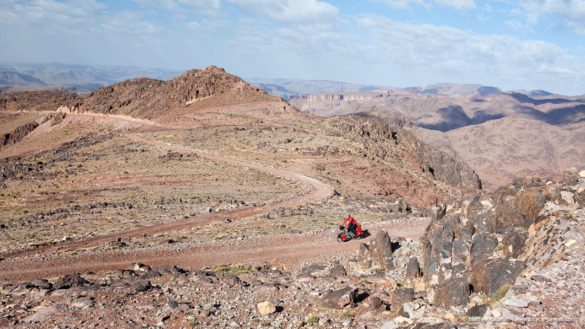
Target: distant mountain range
point(290, 88)
point(499, 134)
point(77, 78)
point(86, 78)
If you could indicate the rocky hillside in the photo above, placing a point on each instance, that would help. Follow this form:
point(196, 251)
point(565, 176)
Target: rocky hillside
point(504, 260)
point(500, 135)
point(149, 98)
point(400, 148)
point(483, 249)
point(144, 97)
point(38, 100)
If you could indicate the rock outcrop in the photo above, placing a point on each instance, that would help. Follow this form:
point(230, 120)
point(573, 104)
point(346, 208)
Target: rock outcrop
point(38, 100)
point(484, 243)
point(17, 134)
point(378, 253)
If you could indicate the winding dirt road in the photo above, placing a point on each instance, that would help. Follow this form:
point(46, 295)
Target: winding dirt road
point(319, 191)
point(291, 249)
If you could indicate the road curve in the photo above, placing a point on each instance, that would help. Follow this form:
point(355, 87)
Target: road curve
point(319, 191)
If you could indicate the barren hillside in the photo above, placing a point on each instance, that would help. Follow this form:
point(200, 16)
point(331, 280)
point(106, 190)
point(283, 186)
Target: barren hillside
point(204, 202)
point(500, 135)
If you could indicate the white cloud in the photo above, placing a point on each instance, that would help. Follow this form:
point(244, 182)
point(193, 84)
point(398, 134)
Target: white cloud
point(402, 4)
point(47, 11)
point(405, 4)
point(572, 12)
point(290, 10)
point(446, 51)
point(457, 4)
point(205, 7)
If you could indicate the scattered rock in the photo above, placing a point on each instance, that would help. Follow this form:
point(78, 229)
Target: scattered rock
point(477, 310)
point(516, 302)
point(266, 308)
point(340, 298)
point(69, 281)
point(40, 315)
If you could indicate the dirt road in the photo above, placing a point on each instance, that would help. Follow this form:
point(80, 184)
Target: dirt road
point(25, 265)
point(287, 249)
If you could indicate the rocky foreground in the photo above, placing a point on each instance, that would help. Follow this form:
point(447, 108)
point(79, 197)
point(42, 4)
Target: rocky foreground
point(513, 258)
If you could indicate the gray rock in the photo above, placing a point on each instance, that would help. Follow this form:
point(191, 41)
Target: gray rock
point(413, 268)
point(69, 281)
point(491, 276)
point(453, 292)
point(568, 197)
point(482, 246)
point(516, 302)
point(40, 315)
point(341, 298)
point(477, 310)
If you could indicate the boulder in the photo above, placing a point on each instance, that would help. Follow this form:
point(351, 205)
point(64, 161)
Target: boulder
point(494, 275)
point(266, 308)
point(365, 260)
point(374, 303)
point(378, 253)
point(477, 310)
point(69, 281)
point(381, 251)
point(482, 246)
point(341, 298)
point(460, 251)
point(141, 285)
point(413, 269)
point(453, 292)
point(474, 208)
point(513, 242)
point(337, 270)
point(41, 284)
point(519, 209)
point(402, 295)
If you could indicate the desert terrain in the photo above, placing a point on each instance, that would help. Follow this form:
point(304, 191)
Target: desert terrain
point(202, 201)
point(500, 135)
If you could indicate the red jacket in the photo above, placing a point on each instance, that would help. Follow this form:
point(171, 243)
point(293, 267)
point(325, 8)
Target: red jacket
point(349, 220)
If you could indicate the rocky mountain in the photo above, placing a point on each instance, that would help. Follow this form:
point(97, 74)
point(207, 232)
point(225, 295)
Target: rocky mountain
point(415, 172)
point(501, 135)
point(202, 201)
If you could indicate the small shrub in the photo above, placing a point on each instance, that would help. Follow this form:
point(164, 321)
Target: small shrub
point(313, 320)
point(500, 293)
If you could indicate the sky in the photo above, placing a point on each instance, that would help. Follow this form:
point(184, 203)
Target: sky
point(523, 44)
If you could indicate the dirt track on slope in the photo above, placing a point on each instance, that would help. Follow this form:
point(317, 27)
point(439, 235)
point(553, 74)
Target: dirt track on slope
point(289, 249)
point(319, 191)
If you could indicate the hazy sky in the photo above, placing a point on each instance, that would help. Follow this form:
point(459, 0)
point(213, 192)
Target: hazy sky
point(530, 44)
